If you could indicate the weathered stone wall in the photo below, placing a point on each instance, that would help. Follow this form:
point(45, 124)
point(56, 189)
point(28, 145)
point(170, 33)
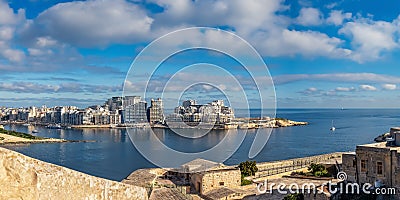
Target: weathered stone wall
point(372, 156)
point(282, 166)
point(22, 177)
point(349, 166)
point(220, 178)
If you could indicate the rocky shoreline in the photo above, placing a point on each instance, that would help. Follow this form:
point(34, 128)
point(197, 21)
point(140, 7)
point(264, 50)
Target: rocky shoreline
point(11, 137)
point(238, 123)
point(287, 123)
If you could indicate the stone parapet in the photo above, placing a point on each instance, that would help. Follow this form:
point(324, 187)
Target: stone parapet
point(22, 177)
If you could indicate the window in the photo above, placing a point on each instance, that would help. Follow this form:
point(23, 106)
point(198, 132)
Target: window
point(379, 168)
point(363, 165)
point(221, 183)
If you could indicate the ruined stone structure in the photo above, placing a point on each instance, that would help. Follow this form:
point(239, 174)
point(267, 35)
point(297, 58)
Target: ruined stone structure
point(22, 177)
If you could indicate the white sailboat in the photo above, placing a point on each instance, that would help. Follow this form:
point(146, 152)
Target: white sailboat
point(333, 127)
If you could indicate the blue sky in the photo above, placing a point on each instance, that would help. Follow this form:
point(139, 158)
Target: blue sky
point(325, 54)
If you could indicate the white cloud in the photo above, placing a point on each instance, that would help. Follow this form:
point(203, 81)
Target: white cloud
point(100, 23)
point(256, 21)
point(92, 23)
point(45, 41)
point(337, 77)
point(389, 86)
point(310, 91)
point(207, 87)
point(313, 89)
point(6, 33)
point(337, 17)
point(345, 89)
point(368, 88)
point(245, 17)
point(370, 39)
point(306, 43)
point(310, 17)
point(37, 88)
point(12, 55)
point(38, 52)
point(8, 21)
point(7, 15)
point(332, 5)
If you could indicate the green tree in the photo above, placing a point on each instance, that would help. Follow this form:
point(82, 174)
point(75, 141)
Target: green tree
point(248, 168)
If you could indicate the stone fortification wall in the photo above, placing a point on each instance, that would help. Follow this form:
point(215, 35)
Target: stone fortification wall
point(22, 177)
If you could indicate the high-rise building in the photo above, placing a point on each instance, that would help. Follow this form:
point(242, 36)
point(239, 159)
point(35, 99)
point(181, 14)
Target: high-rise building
point(156, 111)
point(214, 112)
point(115, 103)
point(58, 115)
point(135, 113)
point(130, 100)
point(188, 103)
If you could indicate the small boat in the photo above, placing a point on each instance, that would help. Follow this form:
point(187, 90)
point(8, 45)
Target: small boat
point(54, 126)
point(26, 124)
point(333, 127)
point(35, 131)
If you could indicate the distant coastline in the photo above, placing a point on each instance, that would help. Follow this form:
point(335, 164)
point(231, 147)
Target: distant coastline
point(12, 137)
point(237, 123)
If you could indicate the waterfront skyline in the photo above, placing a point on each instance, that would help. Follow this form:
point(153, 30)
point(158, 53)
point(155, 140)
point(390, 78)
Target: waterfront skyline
point(320, 54)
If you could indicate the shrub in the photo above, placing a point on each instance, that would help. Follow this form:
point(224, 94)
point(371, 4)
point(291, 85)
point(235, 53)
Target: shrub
point(323, 173)
point(246, 182)
point(318, 170)
point(301, 173)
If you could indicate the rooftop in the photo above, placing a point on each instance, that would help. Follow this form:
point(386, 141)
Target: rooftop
point(199, 165)
point(223, 193)
point(141, 177)
point(167, 194)
point(381, 145)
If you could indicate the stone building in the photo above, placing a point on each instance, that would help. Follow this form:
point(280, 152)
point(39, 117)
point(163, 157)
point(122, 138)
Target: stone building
point(204, 178)
point(204, 175)
point(377, 164)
